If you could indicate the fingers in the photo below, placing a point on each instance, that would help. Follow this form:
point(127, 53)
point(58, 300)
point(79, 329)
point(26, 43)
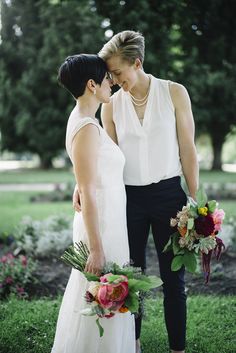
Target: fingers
point(92, 270)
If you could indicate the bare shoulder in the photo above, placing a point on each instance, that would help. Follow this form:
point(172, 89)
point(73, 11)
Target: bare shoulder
point(179, 94)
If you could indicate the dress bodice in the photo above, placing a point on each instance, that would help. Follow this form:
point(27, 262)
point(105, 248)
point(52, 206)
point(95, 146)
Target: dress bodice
point(111, 160)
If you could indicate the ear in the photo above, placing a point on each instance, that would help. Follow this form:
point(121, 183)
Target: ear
point(91, 85)
point(138, 64)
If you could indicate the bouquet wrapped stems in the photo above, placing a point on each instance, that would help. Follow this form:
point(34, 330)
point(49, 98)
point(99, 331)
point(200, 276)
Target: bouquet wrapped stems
point(76, 256)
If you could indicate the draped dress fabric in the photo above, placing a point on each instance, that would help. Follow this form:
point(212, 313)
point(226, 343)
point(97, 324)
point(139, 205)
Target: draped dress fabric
point(75, 332)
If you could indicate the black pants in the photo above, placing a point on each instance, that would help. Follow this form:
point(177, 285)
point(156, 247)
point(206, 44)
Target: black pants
point(153, 205)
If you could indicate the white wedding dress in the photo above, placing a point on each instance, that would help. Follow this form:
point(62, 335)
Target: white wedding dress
point(76, 333)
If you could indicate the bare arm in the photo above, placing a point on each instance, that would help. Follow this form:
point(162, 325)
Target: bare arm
point(107, 121)
point(109, 126)
point(185, 133)
point(84, 153)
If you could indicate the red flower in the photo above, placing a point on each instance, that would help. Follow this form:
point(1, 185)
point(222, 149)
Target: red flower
point(204, 225)
point(89, 297)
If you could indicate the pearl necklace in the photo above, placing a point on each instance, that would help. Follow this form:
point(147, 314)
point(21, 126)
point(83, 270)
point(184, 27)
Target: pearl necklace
point(139, 104)
point(143, 100)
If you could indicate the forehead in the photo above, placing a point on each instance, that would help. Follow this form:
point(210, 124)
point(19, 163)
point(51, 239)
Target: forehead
point(116, 63)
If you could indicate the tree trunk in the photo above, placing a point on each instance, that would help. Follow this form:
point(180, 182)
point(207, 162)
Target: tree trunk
point(45, 162)
point(217, 145)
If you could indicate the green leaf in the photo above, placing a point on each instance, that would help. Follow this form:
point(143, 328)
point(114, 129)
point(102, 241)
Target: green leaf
point(154, 282)
point(137, 285)
point(177, 263)
point(190, 223)
point(193, 211)
point(100, 328)
point(90, 276)
point(190, 261)
point(168, 246)
point(132, 302)
point(201, 197)
point(176, 247)
point(212, 205)
point(113, 278)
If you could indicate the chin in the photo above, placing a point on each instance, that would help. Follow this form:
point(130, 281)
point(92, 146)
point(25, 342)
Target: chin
point(125, 87)
point(106, 100)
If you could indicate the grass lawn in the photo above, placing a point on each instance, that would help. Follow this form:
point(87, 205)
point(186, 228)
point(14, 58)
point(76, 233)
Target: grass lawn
point(217, 177)
point(24, 176)
point(66, 175)
point(15, 205)
point(29, 326)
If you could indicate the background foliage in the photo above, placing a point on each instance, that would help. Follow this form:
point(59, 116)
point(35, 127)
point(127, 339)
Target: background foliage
point(186, 41)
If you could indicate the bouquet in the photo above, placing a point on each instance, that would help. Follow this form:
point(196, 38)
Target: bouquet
point(198, 225)
point(116, 290)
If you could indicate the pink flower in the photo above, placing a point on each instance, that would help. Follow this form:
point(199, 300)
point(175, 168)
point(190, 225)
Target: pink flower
point(23, 260)
point(3, 259)
point(218, 216)
point(6, 258)
point(9, 280)
point(20, 290)
point(112, 295)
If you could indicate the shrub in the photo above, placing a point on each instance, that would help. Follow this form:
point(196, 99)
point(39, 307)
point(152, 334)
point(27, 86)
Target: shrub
point(15, 273)
point(49, 237)
point(59, 194)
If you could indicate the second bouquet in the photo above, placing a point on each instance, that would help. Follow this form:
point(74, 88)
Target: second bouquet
point(116, 290)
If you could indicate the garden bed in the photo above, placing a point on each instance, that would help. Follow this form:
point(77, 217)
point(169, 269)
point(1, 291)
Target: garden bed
point(53, 275)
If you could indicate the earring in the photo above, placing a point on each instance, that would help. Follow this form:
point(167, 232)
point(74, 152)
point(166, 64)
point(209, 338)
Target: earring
point(94, 92)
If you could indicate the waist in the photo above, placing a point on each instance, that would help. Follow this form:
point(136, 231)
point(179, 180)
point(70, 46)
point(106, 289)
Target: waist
point(162, 183)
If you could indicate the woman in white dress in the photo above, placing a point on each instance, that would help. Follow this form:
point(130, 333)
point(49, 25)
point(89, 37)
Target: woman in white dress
point(98, 167)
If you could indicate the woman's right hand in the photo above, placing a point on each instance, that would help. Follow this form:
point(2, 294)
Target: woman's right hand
point(95, 262)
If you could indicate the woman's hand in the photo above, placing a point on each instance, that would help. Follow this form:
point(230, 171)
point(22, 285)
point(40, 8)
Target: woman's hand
point(95, 262)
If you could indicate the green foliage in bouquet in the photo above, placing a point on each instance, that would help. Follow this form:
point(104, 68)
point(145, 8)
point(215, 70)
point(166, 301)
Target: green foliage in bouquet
point(116, 289)
point(197, 224)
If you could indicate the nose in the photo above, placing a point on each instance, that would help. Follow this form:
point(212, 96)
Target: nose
point(114, 80)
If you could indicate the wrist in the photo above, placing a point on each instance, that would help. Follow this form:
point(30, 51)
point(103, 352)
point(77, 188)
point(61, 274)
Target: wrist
point(98, 249)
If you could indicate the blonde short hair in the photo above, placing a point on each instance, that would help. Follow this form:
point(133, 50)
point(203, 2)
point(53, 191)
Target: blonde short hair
point(129, 45)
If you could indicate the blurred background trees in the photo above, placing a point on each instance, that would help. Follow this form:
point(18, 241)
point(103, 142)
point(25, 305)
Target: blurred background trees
point(186, 41)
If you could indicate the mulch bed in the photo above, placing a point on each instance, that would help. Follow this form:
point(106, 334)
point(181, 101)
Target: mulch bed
point(53, 274)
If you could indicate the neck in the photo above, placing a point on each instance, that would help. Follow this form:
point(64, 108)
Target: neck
point(139, 90)
point(87, 106)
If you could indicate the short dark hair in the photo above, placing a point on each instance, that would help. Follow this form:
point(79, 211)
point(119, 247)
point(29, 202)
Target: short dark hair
point(76, 70)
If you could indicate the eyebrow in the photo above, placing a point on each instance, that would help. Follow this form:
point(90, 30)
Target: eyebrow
point(114, 70)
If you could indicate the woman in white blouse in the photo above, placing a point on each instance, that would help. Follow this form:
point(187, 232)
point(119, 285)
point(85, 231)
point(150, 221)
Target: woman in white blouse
point(151, 120)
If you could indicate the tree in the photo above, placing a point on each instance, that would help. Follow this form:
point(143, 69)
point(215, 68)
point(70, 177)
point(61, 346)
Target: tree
point(209, 56)
point(155, 20)
point(36, 38)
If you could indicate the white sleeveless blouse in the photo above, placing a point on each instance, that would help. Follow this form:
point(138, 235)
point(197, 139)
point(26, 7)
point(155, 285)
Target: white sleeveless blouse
point(151, 150)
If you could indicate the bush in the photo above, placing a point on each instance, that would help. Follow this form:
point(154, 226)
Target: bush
point(61, 193)
point(49, 237)
point(15, 273)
